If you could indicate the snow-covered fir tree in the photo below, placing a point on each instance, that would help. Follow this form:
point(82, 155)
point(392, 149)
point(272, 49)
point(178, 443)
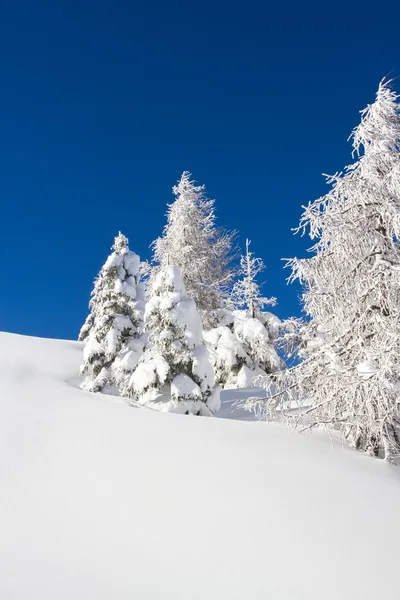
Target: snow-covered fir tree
point(246, 291)
point(192, 241)
point(259, 338)
point(349, 378)
point(174, 372)
point(227, 355)
point(113, 330)
point(256, 329)
point(244, 346)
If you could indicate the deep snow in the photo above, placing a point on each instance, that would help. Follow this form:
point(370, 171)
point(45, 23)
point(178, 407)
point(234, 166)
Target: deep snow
point(101, 501)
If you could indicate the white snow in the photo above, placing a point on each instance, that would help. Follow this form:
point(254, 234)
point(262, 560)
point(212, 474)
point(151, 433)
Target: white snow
point(248, 377)
point(184, 388)
point(151, 370)
point(226, 353)
point(170, 278)
point(102, 501)
point(185, 314)
point(132, 263)
point(368, 368)
point(214, 400)
point(128, 359)
point(202, 367)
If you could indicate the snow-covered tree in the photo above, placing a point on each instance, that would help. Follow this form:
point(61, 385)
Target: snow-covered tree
point(227, 355)
point(350, 374)
point(259, 338)
point(246, 291)
point(192, 241)
point(112, 332)
point(244, 346)
point(244, 349)
point(174, 372)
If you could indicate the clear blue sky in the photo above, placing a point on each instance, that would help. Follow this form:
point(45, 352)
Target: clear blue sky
point(104, 104)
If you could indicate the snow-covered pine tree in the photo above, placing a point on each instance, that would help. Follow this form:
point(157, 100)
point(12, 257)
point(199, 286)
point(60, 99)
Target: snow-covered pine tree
point(174, 372)
point(203, 252)
point(112, 332)
point(245, 347)
point(227, 355)
point(246, 291)
point(350, 374)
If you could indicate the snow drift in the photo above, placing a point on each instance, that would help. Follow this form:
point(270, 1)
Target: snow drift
point(103, 501)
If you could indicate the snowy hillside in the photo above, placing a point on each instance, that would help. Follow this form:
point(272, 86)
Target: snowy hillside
point(100, 501)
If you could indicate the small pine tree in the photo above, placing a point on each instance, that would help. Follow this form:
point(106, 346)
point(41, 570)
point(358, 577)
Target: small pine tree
point(174, 372)
point(112, 331)
point(227, 355)
point(246, 291)
point(245, 348)
point(259, 339)
point(203, 252)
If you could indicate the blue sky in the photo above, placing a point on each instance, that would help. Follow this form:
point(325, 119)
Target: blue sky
point(103, 105)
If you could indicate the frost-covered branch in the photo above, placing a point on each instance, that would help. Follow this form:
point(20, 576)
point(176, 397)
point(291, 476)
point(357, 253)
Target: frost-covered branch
point(349, 377)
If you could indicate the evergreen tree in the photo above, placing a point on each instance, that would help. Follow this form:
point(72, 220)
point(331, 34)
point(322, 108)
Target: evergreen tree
point(350, 374)
point(256, 330)
point(227, 355)
point(112, 331)
point(259, 339)
point(246, 291)
point(192, 241)
point(243, 347)
point(244, 350)
point(174, 372)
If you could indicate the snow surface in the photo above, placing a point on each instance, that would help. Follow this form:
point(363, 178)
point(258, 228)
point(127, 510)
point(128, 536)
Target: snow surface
point(104, 501)
point(184, 388)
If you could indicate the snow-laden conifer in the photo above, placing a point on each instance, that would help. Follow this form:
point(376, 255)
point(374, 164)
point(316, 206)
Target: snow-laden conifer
point(192, 241)
point(244, 346)
point(256, 329)
point(259, 338)
point(174, 372)
point(227, 355)
point(245, 349)
point(246, 291)
point(349, 378)
point(112, 332)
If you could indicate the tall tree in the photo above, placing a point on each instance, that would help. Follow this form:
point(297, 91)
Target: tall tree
point(112, 332)
point(192, 241)
point(350, 374)
point(174, 372)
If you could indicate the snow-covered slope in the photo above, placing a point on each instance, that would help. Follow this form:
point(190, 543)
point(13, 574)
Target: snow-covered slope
point(100, 501)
